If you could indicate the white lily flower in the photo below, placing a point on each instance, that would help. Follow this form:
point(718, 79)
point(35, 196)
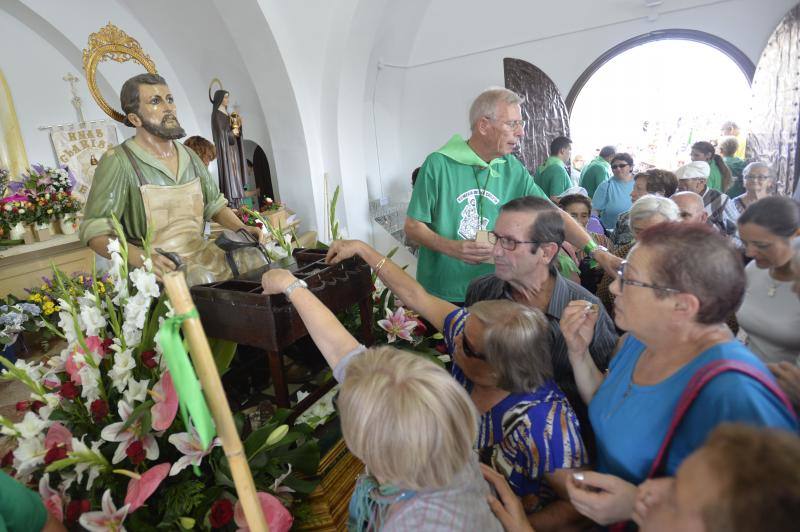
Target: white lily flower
point(115, 433)
point(189, 444)
point(90, 381)
point(109, 519)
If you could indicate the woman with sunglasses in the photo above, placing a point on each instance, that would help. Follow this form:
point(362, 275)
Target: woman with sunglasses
point(613, 196)
point(501, 356)
point(673, 294)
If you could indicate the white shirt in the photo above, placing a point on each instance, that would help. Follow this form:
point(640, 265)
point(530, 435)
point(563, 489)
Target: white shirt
point(772, 322)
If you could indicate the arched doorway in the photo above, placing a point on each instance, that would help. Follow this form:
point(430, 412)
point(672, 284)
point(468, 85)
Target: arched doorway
point(654, 95)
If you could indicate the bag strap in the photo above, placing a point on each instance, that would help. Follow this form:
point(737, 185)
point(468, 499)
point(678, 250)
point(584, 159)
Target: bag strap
point(702, 377)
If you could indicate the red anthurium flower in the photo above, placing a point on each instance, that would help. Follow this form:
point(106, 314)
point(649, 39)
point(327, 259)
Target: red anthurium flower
point(221, 513)
point(278, 517)
point(139, 490)
point(58, 435)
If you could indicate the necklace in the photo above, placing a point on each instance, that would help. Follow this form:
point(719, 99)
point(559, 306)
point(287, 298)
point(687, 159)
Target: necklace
point(772, 290)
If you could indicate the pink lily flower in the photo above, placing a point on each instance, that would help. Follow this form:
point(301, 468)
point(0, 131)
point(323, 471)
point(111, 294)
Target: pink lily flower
point(397, 325)
point(189, 444)
point(114, 433)
point(278, 517)
point(108, 519)
point(53, 500)
point(141, 488)
point(166, 403)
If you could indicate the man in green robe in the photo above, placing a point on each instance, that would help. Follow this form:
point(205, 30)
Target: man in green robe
point(552, 177)
point(159, 161)
point(598, 170)
point(458, 194)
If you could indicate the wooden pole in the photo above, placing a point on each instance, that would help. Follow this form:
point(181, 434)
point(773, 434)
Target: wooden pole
point(178, 292)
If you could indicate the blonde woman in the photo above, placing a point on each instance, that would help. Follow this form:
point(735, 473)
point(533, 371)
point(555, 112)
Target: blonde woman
point(411, 424)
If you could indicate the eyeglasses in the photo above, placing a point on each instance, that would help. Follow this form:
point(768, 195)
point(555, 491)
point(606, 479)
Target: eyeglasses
point(468, 350)
point(508, 243)
point(623, 281)
point(757, 177)
point(511, 124)
point(618, 166)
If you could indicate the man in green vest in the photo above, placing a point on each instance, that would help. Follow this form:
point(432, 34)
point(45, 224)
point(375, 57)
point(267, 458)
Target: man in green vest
point(458, 194)
point(552, 177)
point(598, 170)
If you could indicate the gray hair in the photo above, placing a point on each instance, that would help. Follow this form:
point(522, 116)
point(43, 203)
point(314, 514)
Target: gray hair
point(650, 205)
point(486, 103)
point(516, 343)
point(756, 165)
point(129, 95)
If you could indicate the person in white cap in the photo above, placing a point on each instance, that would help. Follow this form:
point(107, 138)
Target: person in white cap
point(693, 177)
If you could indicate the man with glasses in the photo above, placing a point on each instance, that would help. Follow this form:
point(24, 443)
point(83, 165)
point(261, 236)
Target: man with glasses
point(458, 194)
point(552, 177)
point(527, 237)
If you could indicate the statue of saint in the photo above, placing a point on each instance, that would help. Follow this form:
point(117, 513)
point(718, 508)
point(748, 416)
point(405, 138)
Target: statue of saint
point(153, 182)
point(227, 131)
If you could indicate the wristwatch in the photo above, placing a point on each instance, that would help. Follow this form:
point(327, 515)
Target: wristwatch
point(297, 283)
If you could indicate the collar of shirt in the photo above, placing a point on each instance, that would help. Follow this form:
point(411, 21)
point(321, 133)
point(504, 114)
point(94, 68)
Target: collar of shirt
point(558, 299)
point(149, 159)
point(458, 150)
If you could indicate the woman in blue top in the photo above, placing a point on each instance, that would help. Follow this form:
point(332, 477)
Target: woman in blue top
point(501, 355)
point(613, 196)
point(673, 294)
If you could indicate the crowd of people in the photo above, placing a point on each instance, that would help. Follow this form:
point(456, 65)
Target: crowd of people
point(659, 387)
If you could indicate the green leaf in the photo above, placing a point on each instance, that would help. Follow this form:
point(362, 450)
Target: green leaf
point(223, 351)
point(138, 412)
point(300, 485)
point(58, 465)
point(304, 459)
point(290, 437)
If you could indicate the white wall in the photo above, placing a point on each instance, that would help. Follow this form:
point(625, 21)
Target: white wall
point(459, 49)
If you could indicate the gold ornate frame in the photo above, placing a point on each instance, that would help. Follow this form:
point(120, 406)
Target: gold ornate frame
point(114, 44)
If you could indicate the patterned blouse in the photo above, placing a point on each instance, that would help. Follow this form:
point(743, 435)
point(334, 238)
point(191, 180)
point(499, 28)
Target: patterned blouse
point(526, 434)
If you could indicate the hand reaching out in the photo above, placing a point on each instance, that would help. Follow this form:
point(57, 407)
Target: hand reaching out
point(506, 506)
point(578, 321)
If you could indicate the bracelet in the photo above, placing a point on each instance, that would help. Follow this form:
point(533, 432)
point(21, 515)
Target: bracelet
point(380, 265)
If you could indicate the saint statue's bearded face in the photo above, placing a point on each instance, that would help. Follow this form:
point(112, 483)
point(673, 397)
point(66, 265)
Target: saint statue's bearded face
point(157, 112)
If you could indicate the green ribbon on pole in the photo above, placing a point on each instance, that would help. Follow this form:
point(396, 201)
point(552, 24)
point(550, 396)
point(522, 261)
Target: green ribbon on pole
point(192, 402)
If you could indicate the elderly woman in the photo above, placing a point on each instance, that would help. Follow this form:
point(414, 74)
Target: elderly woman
point(770, 312)
point(501, 355)
point(579, 206)
point(649, 210)
point(654, 181)
point(672, 294)
point(613, 196)
point(410, 423)
point(758, 181)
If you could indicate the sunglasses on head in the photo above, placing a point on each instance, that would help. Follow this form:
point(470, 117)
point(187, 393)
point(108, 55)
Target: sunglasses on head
point(468, 350)
point(618, 166)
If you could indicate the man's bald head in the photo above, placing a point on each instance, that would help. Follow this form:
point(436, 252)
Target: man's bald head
point(691, 207)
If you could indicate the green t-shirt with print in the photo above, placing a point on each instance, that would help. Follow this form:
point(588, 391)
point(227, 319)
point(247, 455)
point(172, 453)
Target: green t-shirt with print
point(553, 178)
point(456, 194)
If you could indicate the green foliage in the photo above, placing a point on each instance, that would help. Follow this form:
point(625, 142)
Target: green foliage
point(181, 499)
point(334, 223)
